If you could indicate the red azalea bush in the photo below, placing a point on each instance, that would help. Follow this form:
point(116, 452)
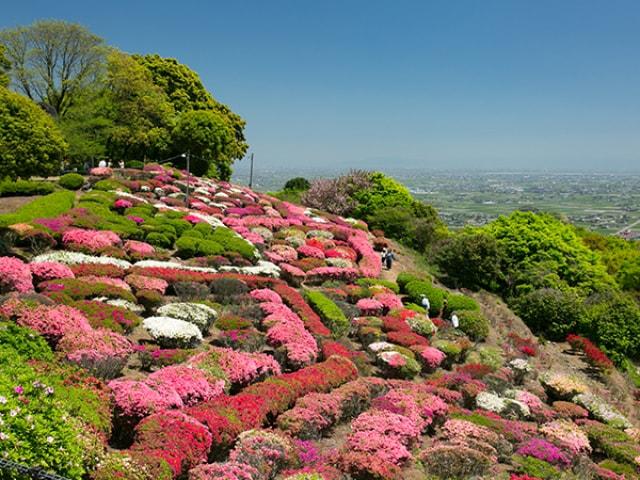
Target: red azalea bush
point(594, 356)
point(15, 276)
point(141, 282)
point(177, 438)
point(295, 301)
point(407, 339)
point(97, 269)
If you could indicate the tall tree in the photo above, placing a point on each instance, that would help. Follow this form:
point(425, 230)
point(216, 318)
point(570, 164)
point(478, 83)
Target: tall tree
point(30, 141)
point(53, 61)
point(186, 92)
point(141, 113)
point(5, 65)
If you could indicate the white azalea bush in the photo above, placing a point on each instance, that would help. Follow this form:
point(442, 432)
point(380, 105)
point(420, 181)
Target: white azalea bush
point(602, 411)
point(172, 332)
point(77, 258)
point(202, 316)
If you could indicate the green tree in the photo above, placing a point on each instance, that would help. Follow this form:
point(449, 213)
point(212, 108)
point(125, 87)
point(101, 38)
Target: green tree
point(297, 184)
point(53, 61)
point(5, 65)
point(471, 259)
point(209, 138)
point(186, 92)
point(139, 110)
point(30, 141)
point(552, 312)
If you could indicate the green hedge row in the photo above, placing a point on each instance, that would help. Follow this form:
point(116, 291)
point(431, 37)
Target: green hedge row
point(48, 206)
point(17, 188)
point(329, 312)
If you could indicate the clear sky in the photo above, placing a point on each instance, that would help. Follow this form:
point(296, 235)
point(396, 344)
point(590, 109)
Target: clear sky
point(450, 84)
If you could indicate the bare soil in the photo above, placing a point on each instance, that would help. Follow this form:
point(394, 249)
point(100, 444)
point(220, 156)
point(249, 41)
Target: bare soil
point(11, 204)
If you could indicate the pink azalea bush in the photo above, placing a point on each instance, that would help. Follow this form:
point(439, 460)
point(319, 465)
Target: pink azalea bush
point(122, 203)
point(134, 400)
point(369, 306)
point(309, 251)
point(189, 383)
point(286, 330)
point(15, 276)
point(142, 249)
point(390, 301)
point(101, 351)
point(92, 240)
point(101, 172)
point(432, 357)
point(543, 450)
point(54, 322)
point(567, 435)
point(43, 271)
point(265, 295)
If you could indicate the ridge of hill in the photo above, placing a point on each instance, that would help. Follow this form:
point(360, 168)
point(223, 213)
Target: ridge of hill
point(147, 334)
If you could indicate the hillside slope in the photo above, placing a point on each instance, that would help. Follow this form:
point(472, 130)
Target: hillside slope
point(236, 336)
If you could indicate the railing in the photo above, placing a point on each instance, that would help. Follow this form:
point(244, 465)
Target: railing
point(34, 473)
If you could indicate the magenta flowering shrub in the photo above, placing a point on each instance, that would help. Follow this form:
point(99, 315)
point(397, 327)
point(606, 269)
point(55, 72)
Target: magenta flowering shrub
point(543, 450)
point(189, 383)
point(121, 204)
point(133, 400)
point(54, 322)
point(321, 274)
point(15, 276)
point(309, 251)
point(92, 240)
point(370, 265)
point(115, 282)
point(286, 330)
point(43, 271)
point(142, 282)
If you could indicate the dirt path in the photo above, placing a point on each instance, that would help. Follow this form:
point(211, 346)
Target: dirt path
point(11, 204)
point(404, 262)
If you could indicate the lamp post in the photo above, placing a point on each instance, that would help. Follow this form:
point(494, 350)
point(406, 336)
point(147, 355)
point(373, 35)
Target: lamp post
point(188, 157)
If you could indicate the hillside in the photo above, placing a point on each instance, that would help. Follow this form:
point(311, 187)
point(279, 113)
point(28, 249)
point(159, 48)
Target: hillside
point(232, 335)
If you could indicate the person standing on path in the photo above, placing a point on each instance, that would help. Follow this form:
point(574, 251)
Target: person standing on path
point(389, 258)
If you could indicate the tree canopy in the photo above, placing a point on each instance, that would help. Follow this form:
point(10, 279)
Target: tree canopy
point(30, 141)
point(52, 61)
point(5, 65)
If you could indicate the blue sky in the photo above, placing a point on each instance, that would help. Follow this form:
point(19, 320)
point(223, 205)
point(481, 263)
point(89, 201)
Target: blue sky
point(451, 84)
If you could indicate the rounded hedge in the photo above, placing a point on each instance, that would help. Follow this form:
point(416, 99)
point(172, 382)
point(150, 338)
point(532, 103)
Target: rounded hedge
point(418, 288)
point(458, 302)
point(71, 181)
point(474, 324)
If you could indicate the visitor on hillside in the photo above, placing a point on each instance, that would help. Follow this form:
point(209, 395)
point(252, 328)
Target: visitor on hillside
point(109, 164)
point(389, 258)
point(102, 164)
point(425, 303)
point(383, 255)
point(121, 164)
point(455, 321)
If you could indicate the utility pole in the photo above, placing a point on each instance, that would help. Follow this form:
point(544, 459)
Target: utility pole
point(251, 172)
point(188, 174)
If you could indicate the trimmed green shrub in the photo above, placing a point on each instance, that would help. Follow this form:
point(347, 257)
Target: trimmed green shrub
point(71, 181)
point(536, 468)
point(110, 184)
point(329, 312)
point(134, 164)
point(369, 282)
point(474, 324)
point(417, 288)
point(232, 242)
point(159, 240)
point(404, 278)
point(24, 188)
point(49, 206)
point(458, 302)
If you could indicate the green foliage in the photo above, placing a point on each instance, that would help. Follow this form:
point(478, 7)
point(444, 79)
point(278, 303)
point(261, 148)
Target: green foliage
point(369, 282)
point(99, 203)
point(159, 240)
point(30, 141)
point(208, 136)
point(418, 288)
point(71, 181)
point(54, 62)
point(188, 246)
point(40, 434)
point(10, 188)
point(612, 320)
point(471, 259)
point(542, 251)
point(405, 278)
point(79, 289)
point(628, 276)
point(297, 184)
point(139, 110)
point(109, 184)
point(536, 468)
point(458, 302)
point(205, 241)
point(551, 312)
point(383, 192)
point(5, 66)
point(48, 206)
point(329, 312)
point(474, 324)
point(25, 342)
